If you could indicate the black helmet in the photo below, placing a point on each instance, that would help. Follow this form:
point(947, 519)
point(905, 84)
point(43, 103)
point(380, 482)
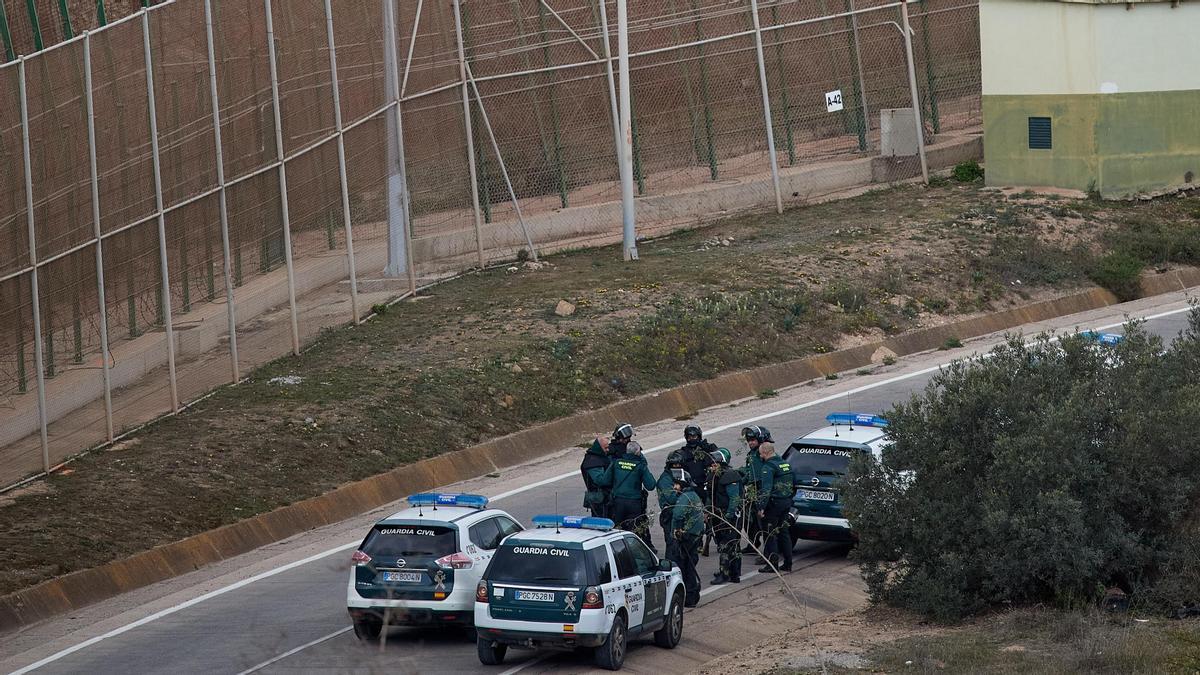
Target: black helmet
point(623, 432)
point(675, 460)
point(754, 433)
point(682, 477)
point(693, 433)
point(766, 434)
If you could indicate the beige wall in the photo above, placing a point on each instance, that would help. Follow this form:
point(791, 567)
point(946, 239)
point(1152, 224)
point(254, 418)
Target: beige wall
point(1044, 47)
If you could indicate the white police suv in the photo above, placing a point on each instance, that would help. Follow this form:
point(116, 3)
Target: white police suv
point(574, 582)
point(820, 461)
point(420, 566)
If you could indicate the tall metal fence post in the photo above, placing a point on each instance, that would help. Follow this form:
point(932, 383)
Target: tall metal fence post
point(766, 102)
point(912, 85)
point(37, 311)
point(392, 63)
point(862, 83)
point(467, 124)
point(612, 85)
point(222, 203)
point(283, 189)
point(95, 179)
point(341, 150)
point(162, 218)
point(628, 210)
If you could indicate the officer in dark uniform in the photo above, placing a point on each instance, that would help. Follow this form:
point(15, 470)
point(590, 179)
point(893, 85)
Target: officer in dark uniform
point(697, 457)
point(630, 482)
point(778, 488)
point(726, 489)
point(666, 502)
point(751, 489)
point(687, 521)
point(595, 462)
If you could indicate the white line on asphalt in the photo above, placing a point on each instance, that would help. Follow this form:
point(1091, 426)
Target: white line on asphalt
point(528, 664)
point(181, 606)
point(713, 589)
point(289, 652)
point(345, 547)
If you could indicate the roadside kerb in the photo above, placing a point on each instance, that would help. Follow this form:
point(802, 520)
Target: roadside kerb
point(85, 587)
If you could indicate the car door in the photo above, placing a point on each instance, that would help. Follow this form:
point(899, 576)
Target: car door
point(609, 583)
point(654, 582)
point(483, 537)
point(630, 582)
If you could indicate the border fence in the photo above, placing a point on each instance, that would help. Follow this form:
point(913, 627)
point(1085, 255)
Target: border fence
point(169, 177)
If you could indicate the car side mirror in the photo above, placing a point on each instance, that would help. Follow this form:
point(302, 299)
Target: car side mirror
point(665, 565)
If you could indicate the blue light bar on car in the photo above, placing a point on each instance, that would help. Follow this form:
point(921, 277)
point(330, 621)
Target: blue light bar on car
point(860, 419)
point(1109, 339)
point(578, 522)
point(448, 499)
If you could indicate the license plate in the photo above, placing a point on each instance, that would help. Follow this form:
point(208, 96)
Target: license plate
point(538, 596)
point(818, 496)
point(407, 577)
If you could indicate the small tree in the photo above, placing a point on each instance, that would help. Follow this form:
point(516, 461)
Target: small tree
point(1040, 474)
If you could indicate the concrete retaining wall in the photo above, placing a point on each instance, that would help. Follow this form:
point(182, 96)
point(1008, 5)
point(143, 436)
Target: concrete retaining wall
point(85, 587)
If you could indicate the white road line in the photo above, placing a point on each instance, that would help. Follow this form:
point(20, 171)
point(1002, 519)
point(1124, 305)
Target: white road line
point(182, 606)
point(528, 664)
point(345, 547)
point(289, 652)
point(713, 589)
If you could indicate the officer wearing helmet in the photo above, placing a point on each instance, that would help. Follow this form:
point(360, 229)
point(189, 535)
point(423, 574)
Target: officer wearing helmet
point(751, 485)
point(726, 489)
point(687, 522)
point(697, 457)
point(620, 440)
point(630, 482)
point(595, 463)
point(666, 502)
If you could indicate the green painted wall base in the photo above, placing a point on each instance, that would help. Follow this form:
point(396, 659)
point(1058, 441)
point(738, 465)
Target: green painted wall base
point(1121, 145)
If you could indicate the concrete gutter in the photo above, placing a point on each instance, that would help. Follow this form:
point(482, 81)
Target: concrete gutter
point(85, 587)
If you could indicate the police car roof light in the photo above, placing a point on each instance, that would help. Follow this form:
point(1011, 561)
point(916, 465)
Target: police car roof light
point(448, 499)
point(578, 522)
point(860, 419)
point(1109, 339)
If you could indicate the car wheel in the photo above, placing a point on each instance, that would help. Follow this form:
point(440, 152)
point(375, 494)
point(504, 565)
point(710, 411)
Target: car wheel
point(367, 628)
point(669, 635)
point(490, 653)
point(611, 654)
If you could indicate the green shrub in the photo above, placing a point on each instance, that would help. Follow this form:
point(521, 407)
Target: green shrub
point(967, 172)
point(1040, 475)
point(1120, 273)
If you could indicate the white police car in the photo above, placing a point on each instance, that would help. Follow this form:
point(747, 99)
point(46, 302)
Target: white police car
point(820, 461)
point(419, 566)
point(575, 582)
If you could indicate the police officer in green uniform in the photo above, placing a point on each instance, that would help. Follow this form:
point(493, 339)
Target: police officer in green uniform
point(751, 488)
point(774, 503)
point(630, 480)
point(595, 463)
point(687, 521)
point(666, 502)
point(726, 502)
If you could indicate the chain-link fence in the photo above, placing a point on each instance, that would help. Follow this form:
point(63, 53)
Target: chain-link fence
point(176, 175)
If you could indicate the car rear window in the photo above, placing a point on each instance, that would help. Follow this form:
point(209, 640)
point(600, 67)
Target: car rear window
point(527, 562)
point(410, 540)
point(815, 460)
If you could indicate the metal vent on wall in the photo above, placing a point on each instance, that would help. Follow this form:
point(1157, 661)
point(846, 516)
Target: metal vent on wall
point(1039, 133)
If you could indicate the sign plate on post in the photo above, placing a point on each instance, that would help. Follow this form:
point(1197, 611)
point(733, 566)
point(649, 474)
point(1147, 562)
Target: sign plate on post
point(833, 101)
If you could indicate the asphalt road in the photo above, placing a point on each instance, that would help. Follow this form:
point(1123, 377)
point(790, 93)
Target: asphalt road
point(285, 611)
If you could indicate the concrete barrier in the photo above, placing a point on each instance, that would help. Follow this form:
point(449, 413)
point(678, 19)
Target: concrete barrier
point(85, 587)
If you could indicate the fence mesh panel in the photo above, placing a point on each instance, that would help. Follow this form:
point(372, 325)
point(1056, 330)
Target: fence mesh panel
point(539, 111)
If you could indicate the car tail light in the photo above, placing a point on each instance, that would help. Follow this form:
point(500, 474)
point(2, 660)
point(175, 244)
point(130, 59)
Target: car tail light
point(360, 559)
point(593, 598)
point(457, 561)
point(481, 594)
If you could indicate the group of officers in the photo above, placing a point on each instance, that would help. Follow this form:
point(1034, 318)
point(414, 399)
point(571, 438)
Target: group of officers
point(700, 496)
